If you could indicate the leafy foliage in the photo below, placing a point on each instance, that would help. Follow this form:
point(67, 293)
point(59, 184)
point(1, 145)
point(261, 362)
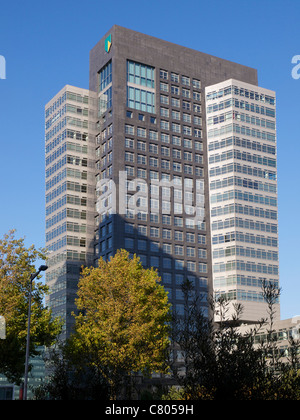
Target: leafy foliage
point(16, 266)
point(123, 324)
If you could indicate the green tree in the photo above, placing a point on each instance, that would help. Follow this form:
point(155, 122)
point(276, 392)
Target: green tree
point(124, 318)
point(220, 358)
point(16, 266)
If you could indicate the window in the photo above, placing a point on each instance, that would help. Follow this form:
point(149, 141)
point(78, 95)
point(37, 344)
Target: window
point(142, 245)
point(141, 132)
point(164, 87)
point(176, 153)
point(186, 93)
point(203, 268)
point(185, 80)
point(177, 166)
point(153, 148)
point(201, 239)
point(154, 261)
point(197, 96)
point(175, 77)
point(196, 84)
point(142, 159)
point(190, 237)
point(164, 112)
point(165, 164)
point(175, 90)
point(179, 250)
point(154, 232)
point(129, 243)
point(164, 99)
point(175, 115)
point(165, 151)
point(163, 74)
point(140, 99)
point(178, 235)
point(164, 125)
point(154, 246)
point(141, 145)
point(105, 76)
point(153, 162)
point(167, 234)
point(129, 129)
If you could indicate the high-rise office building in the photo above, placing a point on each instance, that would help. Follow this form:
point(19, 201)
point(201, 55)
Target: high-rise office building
point(179, 172)
point(70, 189)
point(241, 141)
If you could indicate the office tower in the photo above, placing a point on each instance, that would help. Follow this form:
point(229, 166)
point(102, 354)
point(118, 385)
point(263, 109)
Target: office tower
point(70, 189)
point(241, 139)
point(155, 183)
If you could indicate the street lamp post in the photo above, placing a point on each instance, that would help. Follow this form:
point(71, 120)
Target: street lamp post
point(32, 277)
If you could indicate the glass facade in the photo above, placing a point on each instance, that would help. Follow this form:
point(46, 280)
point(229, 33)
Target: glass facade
point(140, 87)
point(69, 195)
point(241, 142)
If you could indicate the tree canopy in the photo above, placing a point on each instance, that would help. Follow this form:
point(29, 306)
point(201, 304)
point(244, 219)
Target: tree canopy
point(16, 265)
point(124, 317)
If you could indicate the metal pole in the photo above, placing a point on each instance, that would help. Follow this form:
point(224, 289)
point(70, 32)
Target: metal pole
point(28, 340)
point(32, 277)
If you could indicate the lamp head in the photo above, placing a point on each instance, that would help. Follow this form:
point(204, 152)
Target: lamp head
point(43, 268)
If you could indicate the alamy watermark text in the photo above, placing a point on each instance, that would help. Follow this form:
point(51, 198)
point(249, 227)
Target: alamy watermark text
point(2, 67)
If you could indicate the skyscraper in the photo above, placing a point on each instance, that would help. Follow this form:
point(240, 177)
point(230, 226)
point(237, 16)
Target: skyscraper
point(70, 189)
point(171, 162)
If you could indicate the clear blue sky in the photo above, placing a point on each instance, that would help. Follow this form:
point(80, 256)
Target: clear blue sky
point(46, 45)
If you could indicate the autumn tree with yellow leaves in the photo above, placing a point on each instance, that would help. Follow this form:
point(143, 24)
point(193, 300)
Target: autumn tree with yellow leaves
point(124, 319)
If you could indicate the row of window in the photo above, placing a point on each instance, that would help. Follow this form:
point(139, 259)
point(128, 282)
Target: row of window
point(244, 130)
point(240, 104)
point(67, 241)
point(244, 223)
point(165, 151)
point(164, 233)
point(245, 156)
point(244, 209)
point(63, 148)
point(70, 134)
point(67, 159)
point(245, 196)
point(243, 182)
point(176, 90)
point(165, 262)
point(239, 91)
point(242, 280)
point(70, 213)
point(178, 221)
point(167, 248)
point(246, 252)
point(177, 115)
point(65, 227)
point(176, 167)
point(66, 96)
point(234, 115)
point(245, 143)
point(245, 266)
point(244, 237)
point(183, 104)
point(66, 186)
point(243, 169)
point(176, 78)
point(66, 199)
point(243, 295)
point(165, 125)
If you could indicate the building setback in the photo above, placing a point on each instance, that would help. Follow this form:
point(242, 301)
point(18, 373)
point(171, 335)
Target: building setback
point(164, 173)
